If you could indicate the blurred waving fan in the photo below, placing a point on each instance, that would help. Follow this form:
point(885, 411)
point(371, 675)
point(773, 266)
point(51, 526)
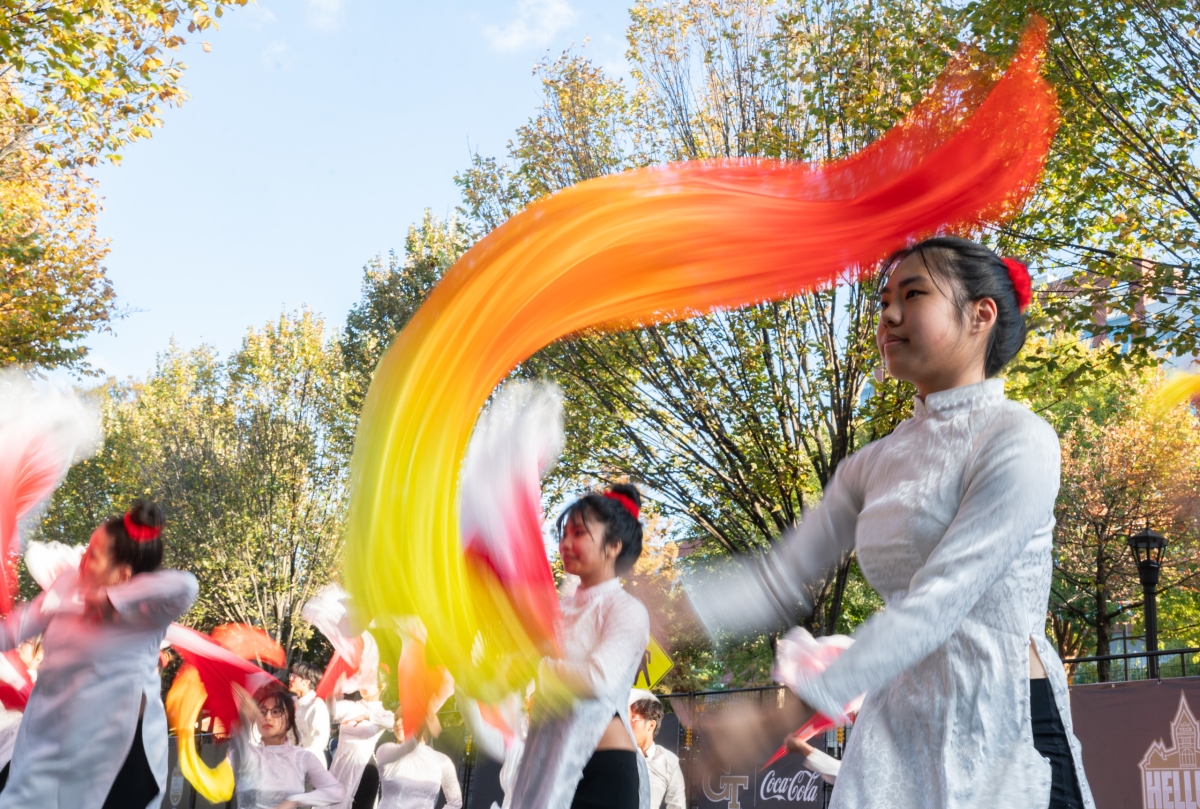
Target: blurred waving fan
point(42, 432)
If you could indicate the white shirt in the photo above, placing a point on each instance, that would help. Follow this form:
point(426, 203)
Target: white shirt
point(605, 632)
point(666, 779)
point(98, 674)
point(312, 724)
point(412, 774)
point(360, 726)
point(267, 775)
point(951, 517)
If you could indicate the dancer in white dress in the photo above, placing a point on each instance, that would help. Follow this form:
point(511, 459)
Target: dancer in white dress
point(30, 652)
point(951, 517)
point(584, 755)
point(101, 626)
point(413, 774)
point(274, 773)
point(312, 714)
point(360, 724)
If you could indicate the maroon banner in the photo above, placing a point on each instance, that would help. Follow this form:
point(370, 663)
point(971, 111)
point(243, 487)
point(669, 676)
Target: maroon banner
point(1140, 742)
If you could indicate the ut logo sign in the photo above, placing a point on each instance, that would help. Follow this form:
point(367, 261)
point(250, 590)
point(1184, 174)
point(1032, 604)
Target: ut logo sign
point(730, 791)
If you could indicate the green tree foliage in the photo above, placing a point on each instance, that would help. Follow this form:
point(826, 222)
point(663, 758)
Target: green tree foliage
point(1117, 218)
point(392, 291)
point(733, 420)
point(80, 81)
point(249, 459)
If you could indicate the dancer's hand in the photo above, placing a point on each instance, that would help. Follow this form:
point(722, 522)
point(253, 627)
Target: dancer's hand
point(96, 605)
point(742, 736)
point(288, 805)
point(795, 744)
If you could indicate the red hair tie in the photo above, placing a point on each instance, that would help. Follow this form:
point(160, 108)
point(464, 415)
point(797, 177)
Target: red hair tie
point(624, 500)
point(1018, 273)
point(140, 533)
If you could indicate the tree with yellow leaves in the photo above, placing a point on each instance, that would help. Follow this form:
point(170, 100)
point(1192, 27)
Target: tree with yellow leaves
point(78, 81)
point(1139, 468)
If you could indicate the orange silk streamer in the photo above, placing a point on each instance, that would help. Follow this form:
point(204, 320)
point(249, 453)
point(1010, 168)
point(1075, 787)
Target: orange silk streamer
point(188, 695)
point(642, 247)
point(184, 701)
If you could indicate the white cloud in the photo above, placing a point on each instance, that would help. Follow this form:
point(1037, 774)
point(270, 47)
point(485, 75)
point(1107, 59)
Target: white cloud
point(256, 16)
point(326, 15)
point(537, 22)
point(275, 55)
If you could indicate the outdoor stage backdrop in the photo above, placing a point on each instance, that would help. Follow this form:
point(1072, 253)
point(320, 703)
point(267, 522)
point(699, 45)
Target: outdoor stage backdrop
point(1139, 742)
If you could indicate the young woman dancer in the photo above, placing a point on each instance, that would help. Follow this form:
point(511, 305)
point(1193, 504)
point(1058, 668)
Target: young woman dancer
point(951, 517)
point(583, 755)
point(277, 774)
point(102, 624)
point(412, 774)
point(360, 724)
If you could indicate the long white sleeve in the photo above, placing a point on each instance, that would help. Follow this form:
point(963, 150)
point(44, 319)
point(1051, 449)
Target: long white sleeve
point(1009, 490)
point(768, 591)
point(450, 787)
point(624, 637)
point(325, 791)
point(23, 622)
point(823, 765)
point(389, 752)
point(488, 739)
point(155, 598)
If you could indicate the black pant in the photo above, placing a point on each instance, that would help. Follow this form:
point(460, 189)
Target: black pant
point(135, 786)
point(1050, 739)
point(368, 788)
point(610, 781)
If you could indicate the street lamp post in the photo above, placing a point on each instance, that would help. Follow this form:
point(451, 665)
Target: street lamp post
point(1147, 547)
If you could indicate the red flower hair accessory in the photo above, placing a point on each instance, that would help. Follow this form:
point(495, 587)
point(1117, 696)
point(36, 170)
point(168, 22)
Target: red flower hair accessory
point(624, 500)
point(140, 533)
point(1018, 273)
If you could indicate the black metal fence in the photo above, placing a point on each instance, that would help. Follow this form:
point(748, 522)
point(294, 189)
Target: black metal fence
point(1131, 666)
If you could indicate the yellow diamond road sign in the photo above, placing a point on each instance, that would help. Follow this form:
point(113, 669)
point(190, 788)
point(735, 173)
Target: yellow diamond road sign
point(655, 665)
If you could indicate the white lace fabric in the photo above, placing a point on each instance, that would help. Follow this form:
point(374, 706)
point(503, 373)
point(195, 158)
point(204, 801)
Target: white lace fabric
point(605, 634)
point(951, 517)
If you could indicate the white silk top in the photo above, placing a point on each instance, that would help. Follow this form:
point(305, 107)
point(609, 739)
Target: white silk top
point(360, 724)
point(82, 714)
point(952, 518)
point(605, 632)
point(268, 775)
point(412, 774)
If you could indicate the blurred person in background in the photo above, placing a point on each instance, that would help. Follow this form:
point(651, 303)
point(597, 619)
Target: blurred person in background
point(360, 724)
point(666, 779)
point(413, 774)
point(30, 652)
point(312, 714)
point(274, 773)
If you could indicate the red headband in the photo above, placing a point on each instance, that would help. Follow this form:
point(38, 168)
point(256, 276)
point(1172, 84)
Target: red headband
point(1022, 283)
point(140, 533)
point(624, 500)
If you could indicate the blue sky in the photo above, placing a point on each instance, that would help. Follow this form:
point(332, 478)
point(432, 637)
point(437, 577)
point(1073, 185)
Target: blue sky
point(316, 132)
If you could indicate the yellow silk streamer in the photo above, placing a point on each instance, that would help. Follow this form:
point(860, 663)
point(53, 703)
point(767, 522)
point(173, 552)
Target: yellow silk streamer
point(184, 701)
point(1180, 388)
point(643, 247)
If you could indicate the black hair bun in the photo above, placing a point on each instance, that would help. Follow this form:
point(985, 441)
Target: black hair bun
point(146, 514)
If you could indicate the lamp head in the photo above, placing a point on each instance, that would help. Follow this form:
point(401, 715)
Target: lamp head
point(1147, 546)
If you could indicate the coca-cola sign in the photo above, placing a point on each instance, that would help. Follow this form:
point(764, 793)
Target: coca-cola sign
point(801, 786)
point(786, 784)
